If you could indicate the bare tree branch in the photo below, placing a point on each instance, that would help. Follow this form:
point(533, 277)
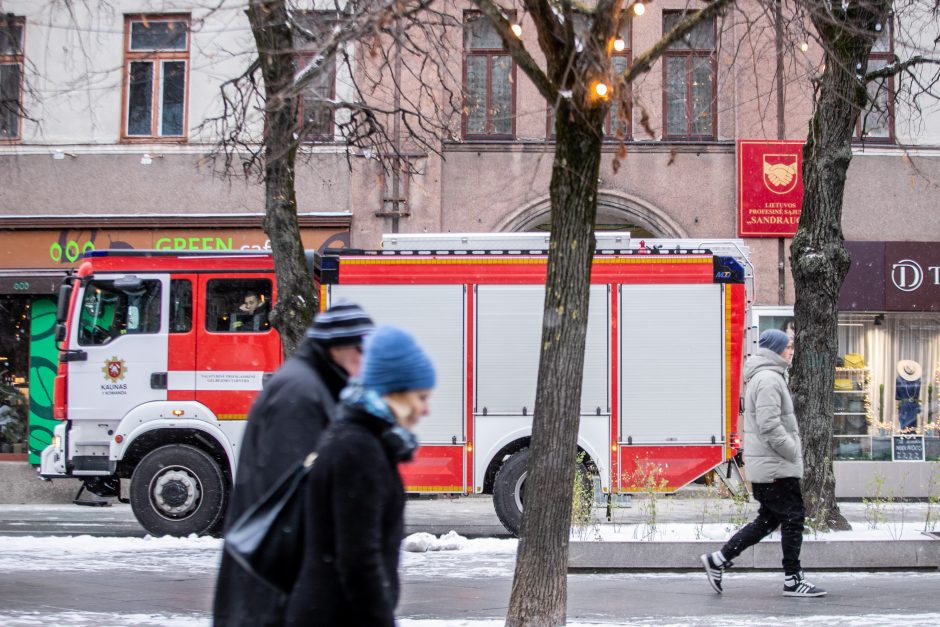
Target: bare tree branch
point(897, 67)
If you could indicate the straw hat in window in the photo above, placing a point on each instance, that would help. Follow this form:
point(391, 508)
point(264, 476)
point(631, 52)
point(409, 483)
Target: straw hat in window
point(909, 370)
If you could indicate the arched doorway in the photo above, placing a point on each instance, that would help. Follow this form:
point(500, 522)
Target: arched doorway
point(616, 211)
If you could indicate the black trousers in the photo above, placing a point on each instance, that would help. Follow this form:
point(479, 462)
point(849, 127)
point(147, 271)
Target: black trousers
point(781, 505)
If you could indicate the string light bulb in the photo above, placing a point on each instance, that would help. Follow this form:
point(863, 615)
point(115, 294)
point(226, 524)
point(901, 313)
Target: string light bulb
point(516, 30)
point(638, 8)
point(600, 89)
point(804, 46)
point(619, 44)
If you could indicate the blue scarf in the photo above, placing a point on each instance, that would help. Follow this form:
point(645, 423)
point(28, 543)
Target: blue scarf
point(402, 442)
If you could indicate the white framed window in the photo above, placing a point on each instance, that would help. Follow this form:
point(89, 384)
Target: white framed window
point(156, 52)
point(12, 30)
point(689, 77)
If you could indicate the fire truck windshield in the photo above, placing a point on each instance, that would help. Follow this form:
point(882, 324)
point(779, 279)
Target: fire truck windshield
point(108, 312)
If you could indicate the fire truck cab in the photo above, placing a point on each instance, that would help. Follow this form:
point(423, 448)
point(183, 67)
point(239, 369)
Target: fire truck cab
point(160, 362)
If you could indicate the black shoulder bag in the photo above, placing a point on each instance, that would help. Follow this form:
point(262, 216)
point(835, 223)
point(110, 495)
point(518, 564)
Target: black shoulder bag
point(267, 540)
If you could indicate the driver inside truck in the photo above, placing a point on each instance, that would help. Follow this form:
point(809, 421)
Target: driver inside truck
point(252, 314)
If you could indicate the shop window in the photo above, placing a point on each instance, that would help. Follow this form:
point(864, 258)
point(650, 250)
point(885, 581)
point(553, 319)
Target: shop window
point(11, 76)
point(156, 55)
point(181, 306)
point(14, 373)
point(690, 74)
point(489, 82)
point(876, 121)
point(238, 305)
point(111, 309)
point(315, 111)
point(887, 383)
point(775, 318)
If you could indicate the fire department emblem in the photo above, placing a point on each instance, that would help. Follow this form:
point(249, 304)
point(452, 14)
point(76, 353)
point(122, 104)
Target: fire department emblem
point(114, 369)
point(780, 173)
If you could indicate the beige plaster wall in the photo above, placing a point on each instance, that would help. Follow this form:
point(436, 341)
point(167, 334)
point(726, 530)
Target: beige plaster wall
point(173, 184)
point(893, 196)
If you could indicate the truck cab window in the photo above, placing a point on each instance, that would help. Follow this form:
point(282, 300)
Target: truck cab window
point(108, 312)
point(181, 306)
point(238, 305)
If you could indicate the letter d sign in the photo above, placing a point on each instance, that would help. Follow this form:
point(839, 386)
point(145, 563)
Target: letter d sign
point(907, 275)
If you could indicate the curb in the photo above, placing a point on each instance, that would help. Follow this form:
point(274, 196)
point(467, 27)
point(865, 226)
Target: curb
point(816, 555)
point(22, 486)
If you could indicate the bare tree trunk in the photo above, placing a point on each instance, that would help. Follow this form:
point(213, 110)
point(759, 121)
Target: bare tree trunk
point(820, 260)
point(539, 592)
point(296, 301)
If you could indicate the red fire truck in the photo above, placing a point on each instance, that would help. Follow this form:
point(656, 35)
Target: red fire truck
point(160, 362)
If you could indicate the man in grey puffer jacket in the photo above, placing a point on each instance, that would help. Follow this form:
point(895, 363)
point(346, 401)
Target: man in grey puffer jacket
point(774, 458)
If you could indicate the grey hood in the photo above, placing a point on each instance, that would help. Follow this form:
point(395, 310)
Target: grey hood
point(764, 359)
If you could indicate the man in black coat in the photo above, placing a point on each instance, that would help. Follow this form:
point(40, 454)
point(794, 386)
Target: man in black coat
point(284, 425)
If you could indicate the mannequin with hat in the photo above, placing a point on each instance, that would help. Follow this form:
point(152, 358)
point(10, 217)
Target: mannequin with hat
point(907, 393)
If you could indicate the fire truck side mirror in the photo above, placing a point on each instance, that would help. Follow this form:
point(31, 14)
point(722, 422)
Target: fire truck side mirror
point(62, 307)
point(62, 310)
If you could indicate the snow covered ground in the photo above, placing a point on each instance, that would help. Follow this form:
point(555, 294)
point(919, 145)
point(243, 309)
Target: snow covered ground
point(425, 557)
point(424, 553)
point(89, 619)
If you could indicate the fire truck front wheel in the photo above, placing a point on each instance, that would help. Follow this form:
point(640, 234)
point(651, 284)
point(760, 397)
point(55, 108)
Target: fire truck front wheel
point(177, 490)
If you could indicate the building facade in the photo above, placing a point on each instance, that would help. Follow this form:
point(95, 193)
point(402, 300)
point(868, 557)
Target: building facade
point(108, 118)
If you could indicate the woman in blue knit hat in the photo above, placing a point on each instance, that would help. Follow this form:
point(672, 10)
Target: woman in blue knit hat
point(356, 501)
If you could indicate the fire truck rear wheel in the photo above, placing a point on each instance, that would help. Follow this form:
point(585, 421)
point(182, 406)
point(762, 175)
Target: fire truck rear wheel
point(509, 489)
point(178, 490)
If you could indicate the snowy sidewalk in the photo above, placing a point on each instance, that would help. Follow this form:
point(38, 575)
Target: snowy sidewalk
point(668, 533)
point(83, 581)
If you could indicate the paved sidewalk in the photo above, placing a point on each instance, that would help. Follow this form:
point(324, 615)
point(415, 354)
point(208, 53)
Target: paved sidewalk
point(471, 516)
point(475, 514)
point(474, 517)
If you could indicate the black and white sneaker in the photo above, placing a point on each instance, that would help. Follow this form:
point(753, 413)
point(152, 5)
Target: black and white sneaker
point(797, 586)
point(714, 569)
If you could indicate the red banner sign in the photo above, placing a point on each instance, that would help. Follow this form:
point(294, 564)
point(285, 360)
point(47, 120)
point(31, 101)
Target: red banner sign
point(770, 187)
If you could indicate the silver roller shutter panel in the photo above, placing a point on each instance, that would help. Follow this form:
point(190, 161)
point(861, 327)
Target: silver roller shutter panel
point(435, 315)
point(509, 333)
point(672, 363)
